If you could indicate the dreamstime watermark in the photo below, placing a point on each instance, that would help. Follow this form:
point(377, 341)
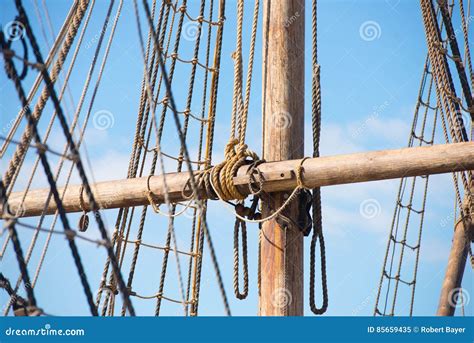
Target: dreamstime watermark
point(459, 297)
point(191, 31)
point(44, 331)
point(377, 110)
point(366, 302)
point(282, 120)
point(103, 120)
point(190, 211)
point(370, 208)
point(370, 30)
point(290, 20)
point(96, 37)
point(460, 29)
point(281, 298)
point(448, 220)
point(14, 30)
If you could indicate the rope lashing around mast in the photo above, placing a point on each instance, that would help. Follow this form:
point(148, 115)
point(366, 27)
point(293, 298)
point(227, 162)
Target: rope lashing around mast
point(218, 183)
point(216, 178)
point(223, 174)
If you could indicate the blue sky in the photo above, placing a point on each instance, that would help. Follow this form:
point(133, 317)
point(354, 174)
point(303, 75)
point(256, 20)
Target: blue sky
point(369, 89)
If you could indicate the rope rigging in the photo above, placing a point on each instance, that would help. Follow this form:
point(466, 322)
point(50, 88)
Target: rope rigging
point(418, 132)
point(148, 105)
point(32, 126)
point(316, 196)
point(452, 106)
point(172, 60)
point(436, 74)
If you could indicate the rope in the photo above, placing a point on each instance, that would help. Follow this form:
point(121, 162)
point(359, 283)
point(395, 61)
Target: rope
point(467, 52)
point(181, 134)
point(209, 144)
point(222, 175)
point(20, 305)
point(20, 152)
point(463, 80)
point(44, 161)
point(19, 257)
point(243, 226)
point(446, 93)
point(46, 136)
point(122, 217)
point(157, 153)
point(37, 82)
point(84, 218)
point(393, 242)
point(79, 166)
point(240, 102)
point(317, 215)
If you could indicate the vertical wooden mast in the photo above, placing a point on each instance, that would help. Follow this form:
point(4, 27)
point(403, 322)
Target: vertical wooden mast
point(281, 252)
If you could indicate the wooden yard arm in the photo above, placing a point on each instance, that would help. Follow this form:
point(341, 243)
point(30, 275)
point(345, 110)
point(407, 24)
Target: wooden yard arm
point(279, 177)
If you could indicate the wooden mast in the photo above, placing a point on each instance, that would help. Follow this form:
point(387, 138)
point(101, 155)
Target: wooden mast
point(281, 252)
point(451, 291)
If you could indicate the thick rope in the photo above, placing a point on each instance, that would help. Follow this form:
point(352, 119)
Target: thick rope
point(36, 165)
point(44, 161)
point(27, 136)
point(192, 178)
point(79, 166)
point(243, 229)
point(222, 175)
point(317, 216)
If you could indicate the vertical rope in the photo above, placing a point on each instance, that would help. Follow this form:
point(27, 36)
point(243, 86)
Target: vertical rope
point(317, 215)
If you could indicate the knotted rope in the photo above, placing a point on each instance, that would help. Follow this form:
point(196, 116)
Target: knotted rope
point(222, 175)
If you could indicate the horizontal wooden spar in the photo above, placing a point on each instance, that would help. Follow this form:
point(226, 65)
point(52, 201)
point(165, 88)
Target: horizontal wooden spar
point(279, 176)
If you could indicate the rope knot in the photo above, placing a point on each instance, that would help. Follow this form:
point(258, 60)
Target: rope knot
point(221, 176)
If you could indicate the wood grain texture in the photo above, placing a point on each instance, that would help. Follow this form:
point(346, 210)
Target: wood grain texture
point(451, 291)
point(281, 256)
point(323, 171)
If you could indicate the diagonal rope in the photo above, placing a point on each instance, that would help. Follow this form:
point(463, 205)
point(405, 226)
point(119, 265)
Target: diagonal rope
point(79, 166)
point(186, 154)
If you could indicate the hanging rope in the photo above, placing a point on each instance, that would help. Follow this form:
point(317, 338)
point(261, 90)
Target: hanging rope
point(317, 216)
point(20, 305)
point(239, 224)
point(16, 242)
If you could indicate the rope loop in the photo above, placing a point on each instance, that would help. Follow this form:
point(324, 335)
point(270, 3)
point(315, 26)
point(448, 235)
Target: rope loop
point(299, 175)
point(239, 224)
